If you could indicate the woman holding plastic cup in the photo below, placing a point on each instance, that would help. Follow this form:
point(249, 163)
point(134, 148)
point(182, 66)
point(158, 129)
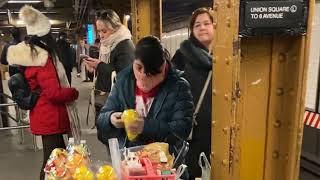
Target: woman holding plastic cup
point(150, 101)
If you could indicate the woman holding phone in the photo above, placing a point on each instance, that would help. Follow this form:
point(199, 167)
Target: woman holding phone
point(116, 53)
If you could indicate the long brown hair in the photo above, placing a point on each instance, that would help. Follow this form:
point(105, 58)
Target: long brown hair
point(194, 16)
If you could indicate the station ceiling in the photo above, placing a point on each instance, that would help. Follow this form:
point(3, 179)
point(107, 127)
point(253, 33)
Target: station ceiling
point(72, 13)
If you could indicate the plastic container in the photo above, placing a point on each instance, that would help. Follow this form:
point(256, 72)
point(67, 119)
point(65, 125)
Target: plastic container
point(85, 146)
point(147, 165)
point(151, 175)
point(70, 144)
point(115, 156)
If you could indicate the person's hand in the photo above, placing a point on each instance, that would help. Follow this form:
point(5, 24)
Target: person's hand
point(137, 126)
point(76, 93)
point(116, 120)
point(92, 62)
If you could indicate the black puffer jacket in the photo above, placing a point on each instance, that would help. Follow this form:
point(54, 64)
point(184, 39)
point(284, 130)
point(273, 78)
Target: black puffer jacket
point(169, 115)
point(193, 58)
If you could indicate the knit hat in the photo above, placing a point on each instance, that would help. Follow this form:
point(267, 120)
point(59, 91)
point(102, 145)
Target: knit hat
point(36, 23)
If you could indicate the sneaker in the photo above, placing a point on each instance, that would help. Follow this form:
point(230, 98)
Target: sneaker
point(78, 75)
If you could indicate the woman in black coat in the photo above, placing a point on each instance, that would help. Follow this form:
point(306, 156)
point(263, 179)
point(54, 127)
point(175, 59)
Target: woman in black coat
point(194, 58)
point(116, 53)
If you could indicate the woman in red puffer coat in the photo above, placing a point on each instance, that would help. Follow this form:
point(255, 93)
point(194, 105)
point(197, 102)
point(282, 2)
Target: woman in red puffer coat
point(45, 74)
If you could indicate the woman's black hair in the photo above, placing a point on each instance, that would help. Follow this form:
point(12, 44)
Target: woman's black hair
point(152, 55)
point(45, 42)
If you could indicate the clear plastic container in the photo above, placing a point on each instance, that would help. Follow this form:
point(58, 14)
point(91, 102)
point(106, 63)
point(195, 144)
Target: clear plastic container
point(115, 156)
point(150, 172)
point(70, 144)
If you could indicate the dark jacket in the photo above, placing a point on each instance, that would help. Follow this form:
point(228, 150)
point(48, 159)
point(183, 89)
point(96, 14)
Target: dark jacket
point(193, 58)
point(49, 115)
point(12, 69)
point(121, 56)
point(66, 55)
point(169, 115)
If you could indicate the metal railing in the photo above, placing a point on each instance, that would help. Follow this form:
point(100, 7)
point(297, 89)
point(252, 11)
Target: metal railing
point(21, 124)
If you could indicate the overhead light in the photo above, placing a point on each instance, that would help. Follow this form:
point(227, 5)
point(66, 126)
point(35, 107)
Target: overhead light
point(17, 1)
point(55, 32)
point(48, 3)
point(17, 12)
point(6, 26)
point(2, 34)
point(20, 22)
point(53, 28)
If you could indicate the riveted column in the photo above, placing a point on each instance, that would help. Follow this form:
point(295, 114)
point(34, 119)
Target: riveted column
point(226, 73)
point(146, 18)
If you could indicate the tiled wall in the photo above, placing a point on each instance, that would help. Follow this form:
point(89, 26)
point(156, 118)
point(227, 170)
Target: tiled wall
point(172, 40)
point(312, 81)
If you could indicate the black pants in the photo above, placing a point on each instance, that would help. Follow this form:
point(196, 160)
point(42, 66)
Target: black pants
point(50, 142)
point(79, 65)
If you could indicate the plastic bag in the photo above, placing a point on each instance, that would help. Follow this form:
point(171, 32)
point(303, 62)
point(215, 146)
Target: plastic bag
point(55, 166)
point(181, 169)
point(205, 166)
point(106, 172)
point(77, 157)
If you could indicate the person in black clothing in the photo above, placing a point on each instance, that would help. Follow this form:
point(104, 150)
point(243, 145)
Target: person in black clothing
point(15, 33)
point(116, 52)
point(194, 58)
point(66, 54)
point(116, 49)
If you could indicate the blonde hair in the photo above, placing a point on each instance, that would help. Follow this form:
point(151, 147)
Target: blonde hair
point(110, 18)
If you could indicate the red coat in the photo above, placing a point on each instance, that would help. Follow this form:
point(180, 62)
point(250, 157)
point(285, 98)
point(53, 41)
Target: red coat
point(50, 115)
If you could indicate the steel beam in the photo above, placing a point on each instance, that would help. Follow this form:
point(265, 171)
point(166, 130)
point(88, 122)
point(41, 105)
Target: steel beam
point(146, 18)
point(258, 100)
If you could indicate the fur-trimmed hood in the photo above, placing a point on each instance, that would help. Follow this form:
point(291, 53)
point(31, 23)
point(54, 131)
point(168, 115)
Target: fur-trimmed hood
point(20, 54)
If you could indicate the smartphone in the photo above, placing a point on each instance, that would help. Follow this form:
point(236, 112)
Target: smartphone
point(84, 56)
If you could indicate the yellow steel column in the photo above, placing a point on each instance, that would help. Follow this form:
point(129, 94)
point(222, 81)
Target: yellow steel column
point(253, 107)
point(257, 135)
point(289, 65)
point(146, 18)
point(226, 75)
